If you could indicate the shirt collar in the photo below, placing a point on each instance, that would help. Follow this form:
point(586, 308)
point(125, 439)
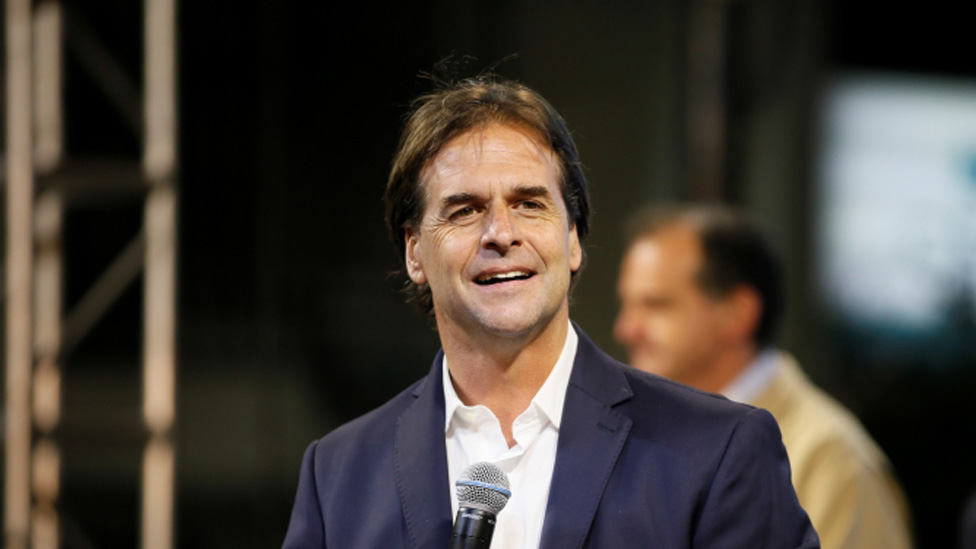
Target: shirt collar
point(751, 382)
point(550, 397)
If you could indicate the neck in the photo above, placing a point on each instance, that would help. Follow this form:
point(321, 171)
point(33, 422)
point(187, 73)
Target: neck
point(504, 374)
point(726, 368)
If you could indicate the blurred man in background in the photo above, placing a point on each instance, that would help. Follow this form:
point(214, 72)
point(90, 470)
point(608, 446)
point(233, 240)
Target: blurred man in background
point(701, 295)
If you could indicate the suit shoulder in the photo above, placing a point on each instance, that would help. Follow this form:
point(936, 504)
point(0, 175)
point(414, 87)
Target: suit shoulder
point(665, 410)
point(649, 387)
point(373, 427)
point(625, 387)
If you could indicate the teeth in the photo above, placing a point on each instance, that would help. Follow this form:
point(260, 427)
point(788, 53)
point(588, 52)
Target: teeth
point(499, 277)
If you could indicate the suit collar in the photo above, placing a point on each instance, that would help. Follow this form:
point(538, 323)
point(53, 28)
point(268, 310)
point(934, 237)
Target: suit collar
point(420, 463)
point(590, 440)
point(598, 375)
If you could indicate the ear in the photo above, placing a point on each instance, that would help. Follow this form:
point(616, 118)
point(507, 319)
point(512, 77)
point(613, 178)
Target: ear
point(415, 266)
point(575, 250)
point(744, 307)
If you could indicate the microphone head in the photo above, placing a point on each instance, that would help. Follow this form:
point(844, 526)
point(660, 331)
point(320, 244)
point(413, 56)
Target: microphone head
point(483, 485)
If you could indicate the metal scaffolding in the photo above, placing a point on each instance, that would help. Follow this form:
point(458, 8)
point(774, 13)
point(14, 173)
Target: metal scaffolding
point(40, 334)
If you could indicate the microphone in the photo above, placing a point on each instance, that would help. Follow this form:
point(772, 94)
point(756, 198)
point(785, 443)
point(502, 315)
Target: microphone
point(482, 492)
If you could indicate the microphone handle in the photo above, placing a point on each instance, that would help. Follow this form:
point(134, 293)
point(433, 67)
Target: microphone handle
point(473, 529)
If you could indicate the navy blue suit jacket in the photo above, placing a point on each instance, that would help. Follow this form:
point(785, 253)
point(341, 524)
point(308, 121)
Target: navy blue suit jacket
point(641, 462)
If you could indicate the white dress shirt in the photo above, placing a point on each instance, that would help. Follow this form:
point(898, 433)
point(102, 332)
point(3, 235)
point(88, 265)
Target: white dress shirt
point(473, 433)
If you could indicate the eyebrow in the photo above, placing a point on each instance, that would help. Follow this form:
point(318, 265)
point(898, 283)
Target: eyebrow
point(530, 191)
point(458, 198)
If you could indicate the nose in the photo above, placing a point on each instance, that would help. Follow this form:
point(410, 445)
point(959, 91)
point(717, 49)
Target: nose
point(500, 231)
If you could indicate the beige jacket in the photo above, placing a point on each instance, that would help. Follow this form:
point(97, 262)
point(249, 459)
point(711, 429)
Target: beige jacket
point(841, 476)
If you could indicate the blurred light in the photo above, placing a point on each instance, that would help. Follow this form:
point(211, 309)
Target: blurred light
point(898, 220)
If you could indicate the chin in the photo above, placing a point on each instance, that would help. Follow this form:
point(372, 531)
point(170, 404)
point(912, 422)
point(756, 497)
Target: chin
point(650, 366)
point(513, 323)
point(509, 327)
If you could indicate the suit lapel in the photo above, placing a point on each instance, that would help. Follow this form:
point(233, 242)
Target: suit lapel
point(420, 461)
point(591, 436)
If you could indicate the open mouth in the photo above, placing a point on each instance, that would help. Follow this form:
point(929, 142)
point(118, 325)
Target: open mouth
point(496, 278)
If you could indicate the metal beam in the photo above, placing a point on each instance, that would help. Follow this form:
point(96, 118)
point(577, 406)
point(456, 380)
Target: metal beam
point(159, 362)
point(20, 208)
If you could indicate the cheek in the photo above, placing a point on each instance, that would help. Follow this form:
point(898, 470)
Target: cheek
point(449, 251)
point(659, 328)
point(681, 327)
point(701, 328)
point(674, 332)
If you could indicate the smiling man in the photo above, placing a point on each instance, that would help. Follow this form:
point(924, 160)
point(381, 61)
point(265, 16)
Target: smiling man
point(488, 207)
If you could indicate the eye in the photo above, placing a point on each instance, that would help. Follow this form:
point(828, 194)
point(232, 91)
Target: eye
point(531, 205)
point(656, 303)
point(462, 212)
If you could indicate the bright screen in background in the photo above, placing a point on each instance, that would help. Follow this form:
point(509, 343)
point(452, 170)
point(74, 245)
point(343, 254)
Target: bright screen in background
point(897, 225)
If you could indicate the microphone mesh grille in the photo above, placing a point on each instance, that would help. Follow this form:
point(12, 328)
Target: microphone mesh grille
point(493, 496)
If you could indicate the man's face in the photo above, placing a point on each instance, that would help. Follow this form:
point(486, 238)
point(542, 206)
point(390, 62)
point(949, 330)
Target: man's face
point(668, 324)
point(495, 243)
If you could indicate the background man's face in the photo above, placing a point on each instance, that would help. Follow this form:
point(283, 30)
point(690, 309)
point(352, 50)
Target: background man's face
point(495, 243)
point(669, 326)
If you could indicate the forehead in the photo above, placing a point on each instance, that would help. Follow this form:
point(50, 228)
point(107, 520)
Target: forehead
point(670, 254)
point(495, 153)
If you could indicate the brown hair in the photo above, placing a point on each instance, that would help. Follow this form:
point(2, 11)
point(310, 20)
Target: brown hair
point(459, 107)
point(734, 252)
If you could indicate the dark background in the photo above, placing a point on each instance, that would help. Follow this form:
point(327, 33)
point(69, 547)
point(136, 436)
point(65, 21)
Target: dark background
point(290, 321)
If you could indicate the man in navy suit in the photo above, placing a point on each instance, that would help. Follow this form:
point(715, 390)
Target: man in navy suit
point(488, 206)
